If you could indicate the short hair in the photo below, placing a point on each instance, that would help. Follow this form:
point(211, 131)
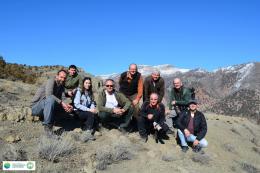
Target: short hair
point(154, 94)
point(131, 65)
point(155, 71)
point(177, 79)
point(61, 70)
point(74, 67)
point(110, 80)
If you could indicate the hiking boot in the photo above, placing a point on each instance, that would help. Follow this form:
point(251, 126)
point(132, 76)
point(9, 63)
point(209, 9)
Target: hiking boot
point(196, 149)
point(155, 136)
point(48, 130)
point(87, 136)
point(122, 130)
point(169, 132)
point(144, 139)
point(184, 149)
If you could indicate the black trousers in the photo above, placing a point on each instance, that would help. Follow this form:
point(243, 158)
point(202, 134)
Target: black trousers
point(145, 126)
point(87, 119)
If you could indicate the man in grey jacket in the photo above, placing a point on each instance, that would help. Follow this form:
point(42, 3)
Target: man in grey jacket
point(48, 98)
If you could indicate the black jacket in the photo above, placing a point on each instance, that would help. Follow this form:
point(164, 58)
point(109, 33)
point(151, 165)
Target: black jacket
point(200, 124)
point(158, 112)
point(127, 88)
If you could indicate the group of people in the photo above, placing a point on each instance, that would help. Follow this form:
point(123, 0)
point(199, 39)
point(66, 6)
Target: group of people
point(122, 108)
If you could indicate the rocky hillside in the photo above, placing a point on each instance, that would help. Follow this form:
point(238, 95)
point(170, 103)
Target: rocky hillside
point(234, 146)
point(234, 142)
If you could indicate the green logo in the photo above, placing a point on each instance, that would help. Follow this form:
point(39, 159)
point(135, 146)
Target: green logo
point(7, 165)
point(30, 165)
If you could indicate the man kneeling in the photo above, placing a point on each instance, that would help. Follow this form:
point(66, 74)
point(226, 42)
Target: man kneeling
point(192, 128)
point(152, 117)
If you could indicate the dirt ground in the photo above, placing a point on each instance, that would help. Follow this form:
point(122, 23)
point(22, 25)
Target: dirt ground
point(234, 146)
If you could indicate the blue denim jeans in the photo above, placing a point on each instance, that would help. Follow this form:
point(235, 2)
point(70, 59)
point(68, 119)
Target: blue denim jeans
point(203, 142)
point(45, 108)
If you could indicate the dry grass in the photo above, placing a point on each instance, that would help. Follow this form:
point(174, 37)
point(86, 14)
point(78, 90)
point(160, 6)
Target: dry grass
point(235, 131)
point(53, 147)
point(201, 158)
point(256, 150)
point(249, 168)
point(10, 152)
point(113, 153)
point(168, 158)
point(229, 147)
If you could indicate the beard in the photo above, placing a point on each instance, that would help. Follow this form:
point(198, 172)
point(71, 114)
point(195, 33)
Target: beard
point(60, 82)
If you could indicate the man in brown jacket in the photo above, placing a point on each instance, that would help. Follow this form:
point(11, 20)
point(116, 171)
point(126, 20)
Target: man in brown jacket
point(153, 84)
point(131, 85)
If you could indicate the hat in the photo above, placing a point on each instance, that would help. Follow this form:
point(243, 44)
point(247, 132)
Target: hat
point(193, 101)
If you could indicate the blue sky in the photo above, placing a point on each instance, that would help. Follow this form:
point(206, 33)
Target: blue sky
point(105, 36)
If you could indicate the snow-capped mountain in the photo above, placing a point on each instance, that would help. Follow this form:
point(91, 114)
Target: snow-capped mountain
point(146, 70)
point(165, 69)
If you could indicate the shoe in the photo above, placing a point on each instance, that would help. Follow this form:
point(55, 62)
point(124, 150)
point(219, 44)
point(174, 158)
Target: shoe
point(87, 136)
point(161, 141)
point(184, 149)
point(122, 130)
point(156, 136)
point(169, 132)
point(48, 130)
point(196, 149)
point(144, 139)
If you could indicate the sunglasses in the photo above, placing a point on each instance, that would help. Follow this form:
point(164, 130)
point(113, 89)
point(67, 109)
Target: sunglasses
point(109, 85)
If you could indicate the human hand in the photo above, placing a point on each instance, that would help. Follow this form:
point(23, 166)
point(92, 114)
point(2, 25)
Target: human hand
point(167, 112)
point(135, 102)
point(187, 132)
point(66, 107)
point(93, 110)
point(117, 110)
point(196, 142)
point(173, 102)
point(70, 93)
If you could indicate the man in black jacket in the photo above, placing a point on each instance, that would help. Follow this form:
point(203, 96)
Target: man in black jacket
point(152, 117)
point(192, 128)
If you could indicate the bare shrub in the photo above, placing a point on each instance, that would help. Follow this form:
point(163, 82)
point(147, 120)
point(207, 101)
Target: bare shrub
point(257, 150)
point(249, 129)
point(249, 168)
point(53, 147)
point(235, 131)
point(113, 153)
point(74, 135)
point(255, 141)
point(53, 168)
point(12, 153)
point(203, 159)
point(229, 147)
point(168, 158)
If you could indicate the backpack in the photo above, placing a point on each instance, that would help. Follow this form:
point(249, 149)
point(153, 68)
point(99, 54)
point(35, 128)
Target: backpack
point(193, 94)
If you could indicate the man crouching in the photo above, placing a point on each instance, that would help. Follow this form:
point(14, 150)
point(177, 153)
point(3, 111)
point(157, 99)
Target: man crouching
point(152, 118)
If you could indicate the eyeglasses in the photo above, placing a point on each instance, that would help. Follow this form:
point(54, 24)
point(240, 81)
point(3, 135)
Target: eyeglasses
point(109, 86)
